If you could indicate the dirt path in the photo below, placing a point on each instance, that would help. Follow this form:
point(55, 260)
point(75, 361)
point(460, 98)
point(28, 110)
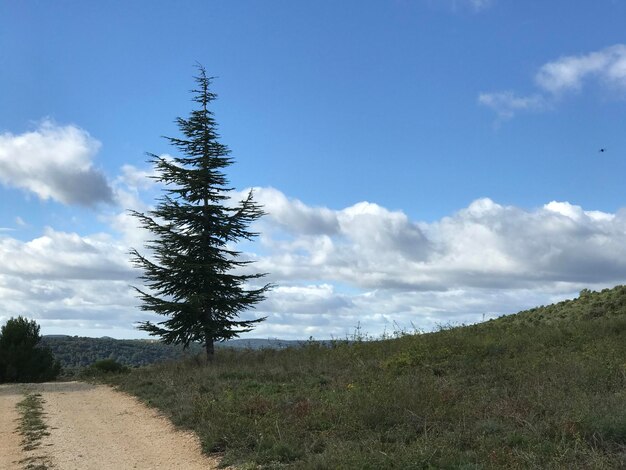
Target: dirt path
point(10, 449)
point(96, 427)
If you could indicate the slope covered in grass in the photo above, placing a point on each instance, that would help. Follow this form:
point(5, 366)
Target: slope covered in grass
point(545, 388)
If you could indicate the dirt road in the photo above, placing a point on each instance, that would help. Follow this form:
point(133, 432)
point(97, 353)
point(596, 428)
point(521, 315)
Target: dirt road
point(96, 427)
point(10, 452)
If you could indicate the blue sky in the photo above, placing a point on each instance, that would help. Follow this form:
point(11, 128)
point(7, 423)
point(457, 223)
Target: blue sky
point(422, 161)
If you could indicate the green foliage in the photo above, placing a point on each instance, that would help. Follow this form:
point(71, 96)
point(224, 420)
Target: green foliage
point(74, 352)
point(190, 280)
point(108, 366)
point(541, 389)
point(22, 359)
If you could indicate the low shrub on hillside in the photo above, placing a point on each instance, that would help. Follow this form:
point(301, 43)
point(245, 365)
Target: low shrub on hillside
point(105, 366)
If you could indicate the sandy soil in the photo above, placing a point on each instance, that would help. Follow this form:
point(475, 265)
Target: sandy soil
point(10, 449)
point(96, 427)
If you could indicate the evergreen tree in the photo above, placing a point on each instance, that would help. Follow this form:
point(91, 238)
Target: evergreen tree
point(191, 275)
point(22, 359)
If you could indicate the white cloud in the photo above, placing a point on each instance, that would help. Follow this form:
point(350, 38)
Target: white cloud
point(137, 178)
point(76, 284)
point(455, 5)
point(379, 267)
point(485, 245)
point(606, 67)
point(71, 306)
point(307, 300)
point(507, 103)
point(480, 4)
point(569, 73)
point(130, 188)
point(338, 268)
point(381, 311)
point(293, 215)
point(62, 255)
point(54, 162)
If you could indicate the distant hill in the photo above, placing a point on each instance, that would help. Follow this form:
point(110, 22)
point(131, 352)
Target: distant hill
point(259, 343)
point(75, 352)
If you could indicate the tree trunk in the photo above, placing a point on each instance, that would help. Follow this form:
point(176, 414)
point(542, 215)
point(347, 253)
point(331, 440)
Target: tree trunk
point(210, 349)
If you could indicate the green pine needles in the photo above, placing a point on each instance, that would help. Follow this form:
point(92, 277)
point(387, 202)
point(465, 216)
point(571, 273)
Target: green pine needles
point(194, 277)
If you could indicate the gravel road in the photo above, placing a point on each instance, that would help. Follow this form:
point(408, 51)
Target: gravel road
point(96, 427)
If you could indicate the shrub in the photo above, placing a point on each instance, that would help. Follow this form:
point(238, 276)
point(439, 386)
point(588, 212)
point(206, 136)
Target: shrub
point(106, 366)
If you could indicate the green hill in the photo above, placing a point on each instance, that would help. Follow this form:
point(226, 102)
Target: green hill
point(545, 388)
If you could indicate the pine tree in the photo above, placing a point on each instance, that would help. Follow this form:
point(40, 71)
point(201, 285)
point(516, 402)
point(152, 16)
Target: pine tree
point(22, 358)
point(190, 277)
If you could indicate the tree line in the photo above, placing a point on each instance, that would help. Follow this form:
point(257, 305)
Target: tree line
point(75, 352)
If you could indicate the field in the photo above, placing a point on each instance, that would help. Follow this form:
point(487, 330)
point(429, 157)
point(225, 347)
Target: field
point(545, 388)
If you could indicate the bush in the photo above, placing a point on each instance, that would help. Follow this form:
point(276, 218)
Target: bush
point(106, 366)
point(22, 359)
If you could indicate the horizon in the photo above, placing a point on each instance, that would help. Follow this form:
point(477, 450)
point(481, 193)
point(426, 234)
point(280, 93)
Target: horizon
point(422, 162)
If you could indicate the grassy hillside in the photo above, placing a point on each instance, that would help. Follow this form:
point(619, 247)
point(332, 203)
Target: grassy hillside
point(545, 388)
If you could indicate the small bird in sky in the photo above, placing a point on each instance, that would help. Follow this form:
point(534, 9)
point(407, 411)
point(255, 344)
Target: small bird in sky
point(602, 150)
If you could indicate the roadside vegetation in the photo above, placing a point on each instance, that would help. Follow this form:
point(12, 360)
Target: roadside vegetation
point(545, 388)
point(104, 366)
point(32, 429)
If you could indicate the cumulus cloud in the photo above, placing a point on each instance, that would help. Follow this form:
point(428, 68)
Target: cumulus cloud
point(338, 268)
point(381, 311)
point(293, 215)
point(54, 162)
point(570, 73)
point(606, 67)
point(130, 188)
point(76, 284)
point(379, 269)
point(62, 255)
point(485, 245)
point(308, 300)
point(71, 306)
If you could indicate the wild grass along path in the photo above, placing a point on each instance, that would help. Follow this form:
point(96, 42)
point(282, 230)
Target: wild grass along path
point(96, 427)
